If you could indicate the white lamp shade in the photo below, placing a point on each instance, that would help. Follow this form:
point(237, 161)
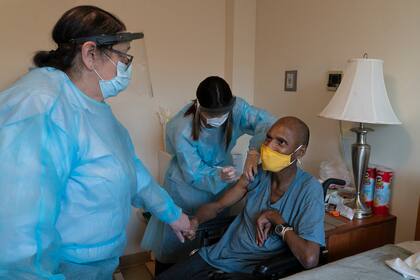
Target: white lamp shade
point(361, 96)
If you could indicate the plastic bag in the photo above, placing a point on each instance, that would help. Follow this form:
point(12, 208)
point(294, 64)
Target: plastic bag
point(335, 169)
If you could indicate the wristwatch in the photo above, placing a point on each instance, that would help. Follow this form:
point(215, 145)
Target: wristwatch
point(281, 229)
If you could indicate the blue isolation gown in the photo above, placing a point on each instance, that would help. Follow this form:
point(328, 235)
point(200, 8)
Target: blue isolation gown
point(192, 178)
point(68, 178)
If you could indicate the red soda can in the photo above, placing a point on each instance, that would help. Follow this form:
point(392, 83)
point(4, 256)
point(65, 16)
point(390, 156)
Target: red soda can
point(368, 187)
point(382, 195)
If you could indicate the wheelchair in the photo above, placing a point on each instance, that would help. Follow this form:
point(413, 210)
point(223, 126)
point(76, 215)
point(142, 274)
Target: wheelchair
point(282, 265)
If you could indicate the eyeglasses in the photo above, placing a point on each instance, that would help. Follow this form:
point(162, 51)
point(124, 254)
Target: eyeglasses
point(126, 57)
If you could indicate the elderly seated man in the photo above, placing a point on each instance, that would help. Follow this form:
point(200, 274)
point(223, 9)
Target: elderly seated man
point(284, 207)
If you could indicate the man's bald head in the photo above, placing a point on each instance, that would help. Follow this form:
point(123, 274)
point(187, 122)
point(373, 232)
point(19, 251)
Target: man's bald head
point(298, 127)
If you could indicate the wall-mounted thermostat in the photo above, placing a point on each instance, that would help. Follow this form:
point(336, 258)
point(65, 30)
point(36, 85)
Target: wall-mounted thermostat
point(334, 80)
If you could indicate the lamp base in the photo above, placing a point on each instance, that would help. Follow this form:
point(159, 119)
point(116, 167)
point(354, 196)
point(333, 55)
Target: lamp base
point(360, 153)
point(359, 208)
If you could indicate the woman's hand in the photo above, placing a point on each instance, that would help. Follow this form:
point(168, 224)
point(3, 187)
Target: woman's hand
point(251, 164)
point(228, 173)
point(191, 233)
point(181, 226)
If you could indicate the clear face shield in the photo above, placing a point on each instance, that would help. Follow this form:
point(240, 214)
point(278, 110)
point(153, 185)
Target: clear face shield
point(136, 58)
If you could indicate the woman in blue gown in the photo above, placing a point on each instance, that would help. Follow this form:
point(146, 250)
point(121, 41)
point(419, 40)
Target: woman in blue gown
point(200, 138)
point(68, 170)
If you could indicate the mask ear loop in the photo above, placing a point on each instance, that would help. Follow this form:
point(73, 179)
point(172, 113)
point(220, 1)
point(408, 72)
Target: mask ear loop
point(94, 69)
point(96, 72)
point(298, 160)
point(300, 163)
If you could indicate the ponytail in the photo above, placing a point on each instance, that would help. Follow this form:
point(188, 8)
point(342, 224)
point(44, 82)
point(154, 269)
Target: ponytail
point(61, 58)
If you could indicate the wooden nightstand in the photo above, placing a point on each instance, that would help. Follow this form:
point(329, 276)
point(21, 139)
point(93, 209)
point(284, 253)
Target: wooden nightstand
point(357, 236)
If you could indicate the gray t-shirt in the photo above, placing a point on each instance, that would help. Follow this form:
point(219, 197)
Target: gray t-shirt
point(301, 206)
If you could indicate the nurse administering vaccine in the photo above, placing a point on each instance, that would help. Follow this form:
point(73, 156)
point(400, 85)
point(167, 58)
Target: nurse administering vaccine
point(200, 138)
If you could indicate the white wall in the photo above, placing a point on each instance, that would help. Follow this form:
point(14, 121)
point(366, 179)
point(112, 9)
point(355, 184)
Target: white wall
point(316, 36)
point(240, 53)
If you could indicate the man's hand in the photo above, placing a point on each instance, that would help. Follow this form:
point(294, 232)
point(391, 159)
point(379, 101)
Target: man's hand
point(251, 164)
point(181, 226)
point(264, 224)
point(263, 228)
point(191, 233)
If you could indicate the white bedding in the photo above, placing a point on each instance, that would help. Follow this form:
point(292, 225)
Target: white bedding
point(367, 265)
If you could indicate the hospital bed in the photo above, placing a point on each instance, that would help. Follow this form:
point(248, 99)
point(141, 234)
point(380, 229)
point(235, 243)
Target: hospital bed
point(367, 265)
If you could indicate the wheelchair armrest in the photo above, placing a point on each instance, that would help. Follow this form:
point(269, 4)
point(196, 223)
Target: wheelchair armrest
point(331, 181)
point(281, 265)
point(216, 223)
point(210, 232)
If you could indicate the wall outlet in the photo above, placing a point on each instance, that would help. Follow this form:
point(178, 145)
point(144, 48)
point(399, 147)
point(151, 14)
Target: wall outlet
point(334, 80)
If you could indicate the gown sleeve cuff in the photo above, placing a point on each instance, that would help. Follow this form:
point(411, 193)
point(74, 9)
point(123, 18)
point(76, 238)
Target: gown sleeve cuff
point(170, 215)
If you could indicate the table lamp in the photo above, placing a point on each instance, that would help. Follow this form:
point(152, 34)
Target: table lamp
point(362, 98)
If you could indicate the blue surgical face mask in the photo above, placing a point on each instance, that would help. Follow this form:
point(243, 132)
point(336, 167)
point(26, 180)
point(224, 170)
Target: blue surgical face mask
point(117, 84)
point(216, 122)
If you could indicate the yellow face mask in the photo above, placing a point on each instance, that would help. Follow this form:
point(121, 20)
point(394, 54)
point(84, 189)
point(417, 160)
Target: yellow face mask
point(274, 161)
